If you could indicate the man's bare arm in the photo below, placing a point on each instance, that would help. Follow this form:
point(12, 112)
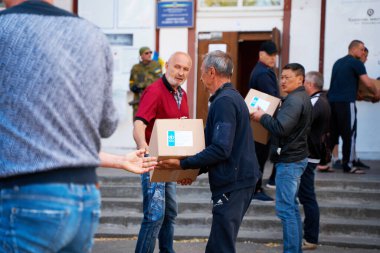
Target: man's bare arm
point(139, 134)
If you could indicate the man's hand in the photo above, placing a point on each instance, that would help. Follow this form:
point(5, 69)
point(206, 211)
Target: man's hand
point(169, 164)
point(174, 164)
point(376, 98)
point(257, 114)
point(136, 89)
point(185, 181)
point(134, 162)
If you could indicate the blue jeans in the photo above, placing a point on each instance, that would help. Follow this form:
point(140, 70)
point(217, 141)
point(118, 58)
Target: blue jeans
point(308, 199)
point(288, 177)
point(48, 218)
point(160, 211)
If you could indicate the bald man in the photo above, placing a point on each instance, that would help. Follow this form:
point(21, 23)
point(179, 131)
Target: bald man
point(163, 99)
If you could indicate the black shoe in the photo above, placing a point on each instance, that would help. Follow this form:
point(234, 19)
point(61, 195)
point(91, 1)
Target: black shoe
point(262, 196)
point(360, 164)
point(337, 164)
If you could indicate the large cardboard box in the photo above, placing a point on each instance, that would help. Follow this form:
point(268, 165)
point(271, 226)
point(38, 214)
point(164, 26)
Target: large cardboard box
point(364, 93)
point(175, 138)
point(268, 104)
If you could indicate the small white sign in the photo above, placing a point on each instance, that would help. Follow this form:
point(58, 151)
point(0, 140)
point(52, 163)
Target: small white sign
point(180, 138)
point(259, 102)
point(214, 47)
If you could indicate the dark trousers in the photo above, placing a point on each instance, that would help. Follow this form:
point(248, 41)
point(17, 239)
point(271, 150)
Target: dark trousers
point(308, 199)
point(227, 214)
point(262, 152)
point(343, 124)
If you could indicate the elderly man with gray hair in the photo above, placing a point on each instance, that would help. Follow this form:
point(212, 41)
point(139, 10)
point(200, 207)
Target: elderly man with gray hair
point(233, 170)
point(319, 127)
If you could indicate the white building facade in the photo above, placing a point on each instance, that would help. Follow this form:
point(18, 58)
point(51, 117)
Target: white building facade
point(312, 33)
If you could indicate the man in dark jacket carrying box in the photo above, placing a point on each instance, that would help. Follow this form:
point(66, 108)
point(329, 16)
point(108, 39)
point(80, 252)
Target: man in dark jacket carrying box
point(233, 170)
point(289, 151)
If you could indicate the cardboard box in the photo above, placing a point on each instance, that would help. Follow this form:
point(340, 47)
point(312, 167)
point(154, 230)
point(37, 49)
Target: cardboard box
point(268, 104)
point(364, 93)
point(176, 138)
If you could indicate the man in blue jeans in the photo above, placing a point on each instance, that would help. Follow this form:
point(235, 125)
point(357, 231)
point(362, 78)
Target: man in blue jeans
point(289, 150)
point(319, 126)
point(56, 105)
point(163, 99)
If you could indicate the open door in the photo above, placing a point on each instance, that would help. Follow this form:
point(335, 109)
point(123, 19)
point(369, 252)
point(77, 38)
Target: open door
point(244, 50)
point(206, 41)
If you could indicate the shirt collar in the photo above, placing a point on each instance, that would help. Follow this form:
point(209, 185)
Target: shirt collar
point(226, 85)
point(169, 87)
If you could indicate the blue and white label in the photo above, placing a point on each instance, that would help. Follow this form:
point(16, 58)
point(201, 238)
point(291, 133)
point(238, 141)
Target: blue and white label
point(180, 138)
point(171, 138)
point(259, 102)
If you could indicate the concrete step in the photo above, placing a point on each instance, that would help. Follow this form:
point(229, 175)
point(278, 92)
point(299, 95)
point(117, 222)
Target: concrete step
point(328, 226)
point(199, 192)
point(353, 211)
point(349, 207)
point(350, 185)
point(268, 236)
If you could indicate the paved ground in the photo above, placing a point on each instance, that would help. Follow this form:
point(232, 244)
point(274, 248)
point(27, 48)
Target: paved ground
point(128, 245)
point(194, 246)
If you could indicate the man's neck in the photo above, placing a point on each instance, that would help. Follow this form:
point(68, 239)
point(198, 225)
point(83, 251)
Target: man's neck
point(220, 82)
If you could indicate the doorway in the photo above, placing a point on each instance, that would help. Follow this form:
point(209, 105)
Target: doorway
point(244, 50)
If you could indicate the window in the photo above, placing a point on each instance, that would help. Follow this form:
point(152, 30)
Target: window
point(238, 4)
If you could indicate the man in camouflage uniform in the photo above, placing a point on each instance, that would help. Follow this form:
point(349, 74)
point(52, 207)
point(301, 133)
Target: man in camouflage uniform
point(143, 74)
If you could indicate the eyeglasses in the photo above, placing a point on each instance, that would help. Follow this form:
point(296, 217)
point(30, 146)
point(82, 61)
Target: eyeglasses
point(149, 52)
point(286, 78)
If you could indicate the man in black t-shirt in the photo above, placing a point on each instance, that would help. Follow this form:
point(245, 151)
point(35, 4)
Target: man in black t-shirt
point(346, 73)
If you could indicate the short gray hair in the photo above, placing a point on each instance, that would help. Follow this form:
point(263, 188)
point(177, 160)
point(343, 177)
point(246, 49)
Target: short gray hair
point(315, 78)
point(221, 61)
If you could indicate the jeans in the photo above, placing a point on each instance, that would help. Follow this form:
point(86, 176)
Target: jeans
point(227, 214)
point(48, 218)
point(308, 199)
point(160, 211)
point(288, 177)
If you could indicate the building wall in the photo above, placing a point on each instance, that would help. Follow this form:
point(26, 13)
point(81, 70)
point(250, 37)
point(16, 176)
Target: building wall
point(305, 33)
point(64, 4)
point(134, 19)
point(304, 48)
point(356, 20)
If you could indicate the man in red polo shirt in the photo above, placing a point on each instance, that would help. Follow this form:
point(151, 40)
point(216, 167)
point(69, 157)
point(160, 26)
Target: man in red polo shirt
point(163, 99)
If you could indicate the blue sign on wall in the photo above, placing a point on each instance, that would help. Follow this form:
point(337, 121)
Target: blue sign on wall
point(175, 14)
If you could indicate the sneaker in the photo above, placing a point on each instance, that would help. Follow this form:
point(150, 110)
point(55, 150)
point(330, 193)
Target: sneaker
point(360, 164)
point(337, 164)
point(353, 170)
point(308, 245)
point(262, 196)
point(271, 184)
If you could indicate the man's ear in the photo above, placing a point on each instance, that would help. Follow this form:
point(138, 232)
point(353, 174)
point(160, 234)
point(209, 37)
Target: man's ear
point(212, 71)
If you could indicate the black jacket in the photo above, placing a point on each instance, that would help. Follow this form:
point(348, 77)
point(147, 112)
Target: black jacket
point(264, 79)
point(229, 157)
point(289, 129)
point(319, 126)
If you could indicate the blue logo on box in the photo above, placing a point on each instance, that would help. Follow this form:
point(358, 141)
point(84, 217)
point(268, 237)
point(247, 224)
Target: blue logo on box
point(254, 101)
point(171, 138)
